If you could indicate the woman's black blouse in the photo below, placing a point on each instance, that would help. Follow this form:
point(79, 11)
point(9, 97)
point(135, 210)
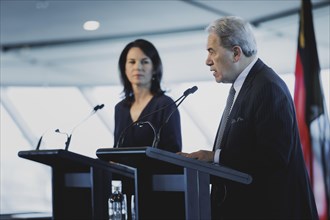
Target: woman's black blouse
point(142, 134)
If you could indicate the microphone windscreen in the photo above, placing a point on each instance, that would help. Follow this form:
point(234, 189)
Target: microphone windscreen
point(193, 89)
point(190, 91)
point(98, 107)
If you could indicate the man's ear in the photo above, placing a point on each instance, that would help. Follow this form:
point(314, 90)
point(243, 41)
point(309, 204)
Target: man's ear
point(236, 53)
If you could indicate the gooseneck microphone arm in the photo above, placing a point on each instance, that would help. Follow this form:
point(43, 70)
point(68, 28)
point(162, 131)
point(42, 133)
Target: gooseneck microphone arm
point(68, 139)
point(123, 133)
point(67, 143)
point(69, 136)
point(156, 140)
point(157, 137)
point(185, 94)
point(39, 142)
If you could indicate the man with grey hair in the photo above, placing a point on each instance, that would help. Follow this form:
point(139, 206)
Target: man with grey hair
point(258, 133)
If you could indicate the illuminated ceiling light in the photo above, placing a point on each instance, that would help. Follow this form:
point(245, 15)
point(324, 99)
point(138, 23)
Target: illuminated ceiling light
point(91, 25)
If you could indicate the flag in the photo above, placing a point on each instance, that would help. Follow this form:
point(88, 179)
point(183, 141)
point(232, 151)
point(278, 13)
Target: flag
point(313, 121)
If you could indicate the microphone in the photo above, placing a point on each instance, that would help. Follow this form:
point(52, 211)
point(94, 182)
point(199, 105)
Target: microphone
point(98, 107)
point(123, 133)
point(68, 140)
point(186, 93)
point(182, 97)
point(190, 91)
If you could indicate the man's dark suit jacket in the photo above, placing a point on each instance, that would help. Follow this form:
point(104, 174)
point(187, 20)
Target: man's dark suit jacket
point(261, 138)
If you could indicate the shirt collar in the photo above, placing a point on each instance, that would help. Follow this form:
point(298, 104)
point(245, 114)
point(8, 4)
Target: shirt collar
point(242, 76)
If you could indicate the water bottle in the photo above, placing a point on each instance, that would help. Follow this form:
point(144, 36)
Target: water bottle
point(117, 207)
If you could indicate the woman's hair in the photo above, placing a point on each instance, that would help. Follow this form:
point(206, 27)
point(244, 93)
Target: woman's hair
point(150, 51)
point(234, 31)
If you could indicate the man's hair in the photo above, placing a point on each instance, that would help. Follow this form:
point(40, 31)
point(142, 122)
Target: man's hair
point(234, 31)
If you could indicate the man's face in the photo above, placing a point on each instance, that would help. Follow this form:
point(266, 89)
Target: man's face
point(220, 60)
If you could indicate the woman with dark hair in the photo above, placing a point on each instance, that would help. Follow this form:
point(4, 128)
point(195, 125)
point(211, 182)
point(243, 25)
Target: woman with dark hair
point(141, 72)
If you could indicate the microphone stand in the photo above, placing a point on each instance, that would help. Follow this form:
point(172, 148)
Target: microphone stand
point(39, 142)
point(123, 133)
point(69, 136)
point(185, 95)
point(68, 140)
point(157, 135)
point(157, 139)
point(67, 143)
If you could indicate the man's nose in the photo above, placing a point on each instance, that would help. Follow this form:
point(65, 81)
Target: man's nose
point(208, 61)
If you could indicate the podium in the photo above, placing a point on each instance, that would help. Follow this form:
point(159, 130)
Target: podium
point(81, 185)
point(162, 171)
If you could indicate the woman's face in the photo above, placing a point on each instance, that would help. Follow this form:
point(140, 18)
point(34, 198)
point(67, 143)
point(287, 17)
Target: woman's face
point(138, 68)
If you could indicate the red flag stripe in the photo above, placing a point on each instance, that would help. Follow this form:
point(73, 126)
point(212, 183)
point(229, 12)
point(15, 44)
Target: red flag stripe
point(300, 103)
point(308, 99)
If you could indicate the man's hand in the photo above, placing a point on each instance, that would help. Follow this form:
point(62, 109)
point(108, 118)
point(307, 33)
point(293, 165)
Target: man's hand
point(203, 155)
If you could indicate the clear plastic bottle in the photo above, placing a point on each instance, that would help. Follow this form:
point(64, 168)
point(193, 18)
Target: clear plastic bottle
point(117, 208)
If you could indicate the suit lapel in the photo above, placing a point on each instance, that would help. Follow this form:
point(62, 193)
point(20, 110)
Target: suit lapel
point(241, 96)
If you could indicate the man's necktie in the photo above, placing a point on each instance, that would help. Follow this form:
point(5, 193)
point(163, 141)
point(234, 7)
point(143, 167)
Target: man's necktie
point(225, 116)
